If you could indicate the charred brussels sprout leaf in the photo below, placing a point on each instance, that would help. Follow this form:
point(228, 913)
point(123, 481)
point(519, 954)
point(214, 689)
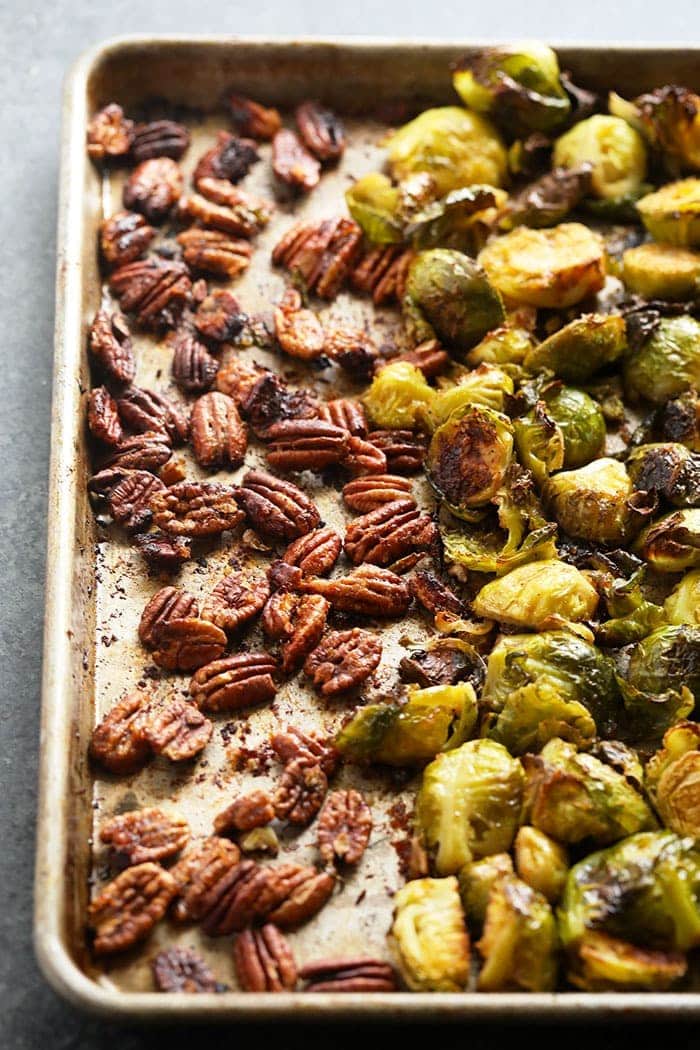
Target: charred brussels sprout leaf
point(632, 616)
point(615, 151)
point(519, 944)
point(662, 271)
point(477, 879)
point(548, 200)
point(468, 457)
point(580, 348)
point(683, 604)
point(669, 658)
point(581, 422)
point(541, 862)
point(397, 393)
point(668, 469)
point(673, 779)
point(596, 502)
point(672, 544)
point(672, 214)
point(453, 221)
point(430, 936)
point(667, 363)
point(373, 203)
point(485, 385)
point(601, 962)
point(669, 119)
point(540, 594)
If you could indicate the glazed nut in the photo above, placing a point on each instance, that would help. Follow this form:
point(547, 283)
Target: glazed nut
point(219, 435)
point(221, 206)
point(128, 908)
point(344, 827)
point(365, 494)
point(321, 254)
point(219, 317)
point(316, 553)
point(241, 680)
point(292, 163)
point(429, 357)
point(394, 535)
point(404, 450)
point(235, 600)
point(194, 368)
point(297, 621)
point(293, 743)
point(349, 975)
point(183, 970)
point(103, 417)
point(145, 411)
point(230, 158)
point(124, 237)
point(188, 643)
point(159, 138)
point(276, 509)
point(109, 134)
point(250, 118)
point(433, 594)
point(364, 458)
point(343, 660)
point(149, 451)
point(111, 349)
point(237, 377)
point(163, 553)
point(321, 131)
point(368, 590)
point(154, 188)
point(118, 743)
point(382, 273)
point(352, 350)
point(300, 793)
point(130, 500)
point(154, 290)
point(264, 961)
point(298, 330)
point(144, 835)
point(176, 729)
point(246, 812)
point(199, 876)
point(269, 400)
point(196, 508)
point(298, 893)
point(305, 444)
point(347, 413)
point(211, 251)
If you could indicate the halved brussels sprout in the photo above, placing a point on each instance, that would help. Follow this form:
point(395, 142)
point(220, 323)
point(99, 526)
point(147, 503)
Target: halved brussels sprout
point(632, 615)
point(668, 469)
point(430, 936)
point(456, 220)
point(536, 713)
point(373, 203)
point(539, 442)
point(477, 879)
point(518, 86)
point(645, 889)
point(555, 268)
point(504, 346)
point(672, 214)
point(469, 804)
point(485, 385)
point(672, 544)
point(574, 797)
point(615, 151)
point(673, 779)
point(541, 862)
point(454, 146)
point(455, 296)
point(662, 271)
point(679, 420)
point(548, 200)
point(667, 363)
point(669, 119)
point(490, 551)
point(596, 502)
point(397, 392)
point(601, 962)
point(520, 942)
point(539, 595)
point(468, 457)
point(580, 348)
point(669, 658)
point(683, 604)
point(581, 422)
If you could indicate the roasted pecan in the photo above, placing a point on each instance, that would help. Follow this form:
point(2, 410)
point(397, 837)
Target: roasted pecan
point(219, 436)
point(250, 893)
point(294, 743)
point(321, 131)
point(344, 827)
point(264, 961)
point(367, 493)
point(429, 357)
point(222, 206)
point(382, 273)
point(219, 317)
point(241, 680)
point(403, 449)
point(353, 350)
point(275, 508)
point(103, 417)
point(343, 660)
point(347, 413)
point(155, 290)
point(163, 553)
point(269, 400)
point(144, 835)
point(235, 600)
point(169, 603)
point(200, 874)
point(316, 553)
point(391, 535)
point(124, 237)
point(322, 254)
point(130, 500)
point(147, 451)
point(214, 252)
point(433, 594)
point(146, 411)
point(237, 378)
point(118, 742)
point(160, 138)
point(253, 119)
point(110, 345)
point(292, 163)
point(298, 622)
point(231, 158)
point(300, 792)
point(109, 134)
point(182, 970)
point(349, 975)
point(154, 188)
point(246, 812)
point(305, 444)
point(176, 729)
point(128, 908)
point(366, 591)
point(188, 643)
point(196, 508)
point(298, 331)
point(193, 367)
point(363, 458)
point(299, 893)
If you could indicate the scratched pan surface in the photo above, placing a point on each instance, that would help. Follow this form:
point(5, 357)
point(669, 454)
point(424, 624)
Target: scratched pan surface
point(97, 587)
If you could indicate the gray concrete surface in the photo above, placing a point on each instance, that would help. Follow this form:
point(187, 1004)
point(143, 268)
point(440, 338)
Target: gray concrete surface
point(38, 42)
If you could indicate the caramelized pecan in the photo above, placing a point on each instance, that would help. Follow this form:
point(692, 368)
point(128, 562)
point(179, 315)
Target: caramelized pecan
point(110, 345)
point(246, 812)
point(298, 622)
point(219, 436)
point(230, 158)
point(219, 317)
point(321, 131)
point(275, 508)
point(403, 449)
point(160, 138)
point(347, 413)
point(367, 591)
point(264, 961)
point(147, 451)
point(353, 350)
point(177, 729)
point(128, 908)
point(321, 254)
point(364, 458)
point(349, 975)
point(246, 895)
point(433, 594)
point(390, 536)
point(182, 970)
point(118, 742)
point(367, 493)
point(292, 163)
point(155, 290)
point(153, 188)
point(344, 827)
point(124, 237)
point(298, 331)
point(382, 273)
point(269, 400)
point(241, 680)
point(146, 411)
point(193, 367)
point(196, 508)
point(130, 500)
point(221, 206)
point(163, 553)
point(238, 377)
point(305, 444)
point(188, 643)
point(109, 134)
point(144, 835)
point(199, 876)
point(235, 600)
point(343, 660)
point(253, 119)
point(294, 743)
point(316, 553)
point(299, 893)
point(212, 251)
point(300, 792)
point(103, 417)
point(429, 357)
point(169, 603)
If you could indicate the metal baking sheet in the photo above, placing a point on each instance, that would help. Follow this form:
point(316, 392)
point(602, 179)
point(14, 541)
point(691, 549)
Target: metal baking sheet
point(97, 587)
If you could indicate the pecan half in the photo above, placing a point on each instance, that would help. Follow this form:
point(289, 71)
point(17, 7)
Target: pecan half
point(404, 450)
point(130, 500)
point(353, 350)
point(221, 206)
point(194, 369)
point(364, 458)
point(343, 660)
point(128, 908)
point(219, 436)
point(200, 875)
point(298, 331)
point(367, 493)
point(110, 346)
point(347, 413)
point(390, 535)
point(124, 237)
point(269, 400)
point(163, 553)
point(169, 603)
point(118, 742)
point(188, 643)
point(382, 273)
point(321, 131)
point(177, 729)
point(144, 835)
point(305, 444)
point(235, 600)
point(366, 591)
point(300, 792)
point(103, 417)
point(292, 163)
point(155, 290)
point(246, 812)
point(275, 508)
point(230, 158)
point(294, 743)
point(249, 895)
point(344, 827)
point(429, 357)
point(146, 411)
point(433, 594)
point(212, 251)
point(160, 138)
point(196, 508)
point(182, 970)
point(109, 134)
point(219, 317)
point(298, 621)
point(241, 680)
point(322, 254)
point(154, 188)
point(299, 892)
point(253, 119)
point(349, 975)
point(316, 553)
point(149, 451)
point(264, 961)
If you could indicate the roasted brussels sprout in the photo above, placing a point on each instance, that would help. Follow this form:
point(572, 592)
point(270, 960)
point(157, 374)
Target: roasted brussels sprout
point(469, 804)
point(632, 616)
point(468, 457)
point(596, 502)
point(574, 797)
point(673, 779)
point(555, 268)
point(580, 348)
point(662, 271)
point(615, 151)
point(397, 392)
point(489, 550)
point(477, 879)
point(672, 214)
point(485, 385)
point(539, 442)
point(581, 422)
point(548, 200)
point(519, 87)
point(539, 595)
point(672, 544)
point(679, 420)
point(669, 658)
point(454, 146)
point(520, 942)
point(460, 220)
point(541, 862)
point(669, 119)
point(505, 346)
point(683, 604)
point(536, 713)
point(667, 363)
point(668, 469)
point(373, 203)
point(430, 936)
point(600, 962)
point(455, 296)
